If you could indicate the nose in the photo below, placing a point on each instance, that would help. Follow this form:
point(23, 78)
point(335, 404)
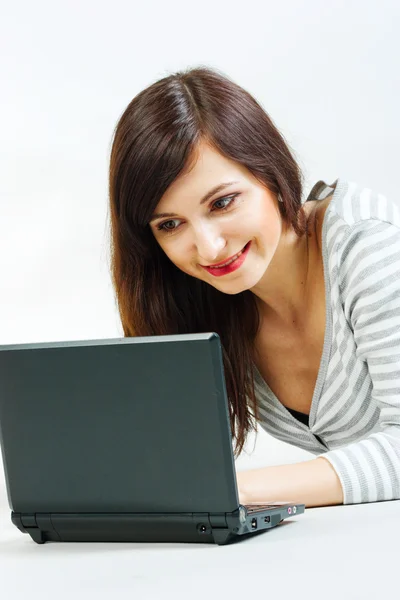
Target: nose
point(209, 246)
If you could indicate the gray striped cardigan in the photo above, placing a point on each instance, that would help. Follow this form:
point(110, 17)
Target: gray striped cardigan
point(355, 411)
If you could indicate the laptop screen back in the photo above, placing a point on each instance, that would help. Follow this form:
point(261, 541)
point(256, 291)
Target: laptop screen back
point(118, 425)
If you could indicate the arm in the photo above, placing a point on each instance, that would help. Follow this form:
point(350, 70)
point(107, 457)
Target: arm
point(369, 469)
point(313, 483)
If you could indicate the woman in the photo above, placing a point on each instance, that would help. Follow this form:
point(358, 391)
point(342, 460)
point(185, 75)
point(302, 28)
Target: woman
point(308, 310)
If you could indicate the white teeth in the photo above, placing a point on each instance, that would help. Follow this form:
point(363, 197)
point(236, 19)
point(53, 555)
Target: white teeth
point(229, 262)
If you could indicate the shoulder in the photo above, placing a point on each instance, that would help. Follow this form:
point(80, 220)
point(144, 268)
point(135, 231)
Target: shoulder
point(357, 217)
point(361, 239)
point(354, 203)
point(367, 226)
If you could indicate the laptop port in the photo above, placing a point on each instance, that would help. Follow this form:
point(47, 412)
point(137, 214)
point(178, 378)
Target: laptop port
point(254, 523)
point(267, 519)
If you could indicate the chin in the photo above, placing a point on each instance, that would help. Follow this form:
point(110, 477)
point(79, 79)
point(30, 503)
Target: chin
point(232, 288)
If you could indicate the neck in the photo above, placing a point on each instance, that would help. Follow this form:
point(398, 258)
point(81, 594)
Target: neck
point(285, 291)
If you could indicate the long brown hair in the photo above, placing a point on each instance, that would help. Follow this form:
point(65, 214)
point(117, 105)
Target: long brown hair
point(155, 141)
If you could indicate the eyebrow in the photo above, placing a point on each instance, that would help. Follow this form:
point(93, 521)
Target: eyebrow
point(210, 194)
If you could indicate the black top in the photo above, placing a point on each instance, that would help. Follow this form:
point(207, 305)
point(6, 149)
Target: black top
point(303, 418)
point(299, 416)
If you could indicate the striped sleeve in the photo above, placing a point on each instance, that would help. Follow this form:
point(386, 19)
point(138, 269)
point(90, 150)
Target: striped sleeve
point(369, 469)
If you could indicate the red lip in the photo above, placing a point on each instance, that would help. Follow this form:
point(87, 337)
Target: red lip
point(222, 261)
point(233, 266)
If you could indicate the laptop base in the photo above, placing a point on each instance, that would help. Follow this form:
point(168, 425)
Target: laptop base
point(203, 528)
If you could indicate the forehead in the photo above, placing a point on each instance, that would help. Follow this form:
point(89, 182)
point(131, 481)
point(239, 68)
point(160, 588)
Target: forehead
point(206, 168)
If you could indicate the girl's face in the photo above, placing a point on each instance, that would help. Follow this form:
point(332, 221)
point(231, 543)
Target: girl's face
point(202, 229)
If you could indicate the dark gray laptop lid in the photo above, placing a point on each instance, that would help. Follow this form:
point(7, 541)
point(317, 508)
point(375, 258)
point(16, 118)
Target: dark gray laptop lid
point(117, 425)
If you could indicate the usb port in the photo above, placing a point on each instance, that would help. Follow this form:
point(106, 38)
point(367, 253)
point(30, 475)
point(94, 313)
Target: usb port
point(254, 523)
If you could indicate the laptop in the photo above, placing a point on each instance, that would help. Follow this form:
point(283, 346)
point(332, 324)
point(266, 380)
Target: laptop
point(124, 440)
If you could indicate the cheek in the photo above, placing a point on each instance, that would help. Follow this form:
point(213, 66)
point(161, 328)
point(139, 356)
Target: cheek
point(270, 226)
point(179, 259)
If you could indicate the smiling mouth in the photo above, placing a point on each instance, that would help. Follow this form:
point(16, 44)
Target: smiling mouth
point(228, 261)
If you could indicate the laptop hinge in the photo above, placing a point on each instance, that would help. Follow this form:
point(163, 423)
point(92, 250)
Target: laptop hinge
point(218, 520)
point(28, 521)
point(16, 520)
point(37, 525)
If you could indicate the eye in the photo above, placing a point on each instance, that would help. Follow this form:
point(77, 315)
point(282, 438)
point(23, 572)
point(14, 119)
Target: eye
point(231, 201)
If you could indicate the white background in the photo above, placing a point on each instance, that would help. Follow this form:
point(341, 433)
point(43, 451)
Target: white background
point(327, 74)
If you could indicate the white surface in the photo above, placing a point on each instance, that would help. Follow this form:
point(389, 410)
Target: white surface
point(346, 552)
